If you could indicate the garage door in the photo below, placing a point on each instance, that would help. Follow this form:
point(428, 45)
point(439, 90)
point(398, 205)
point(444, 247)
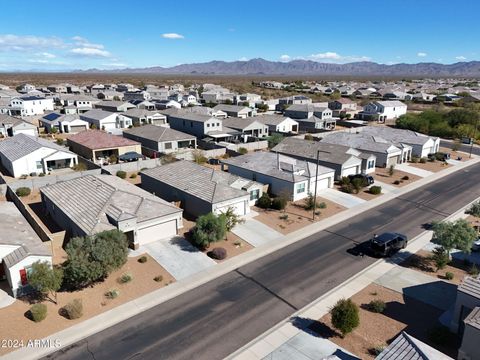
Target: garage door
point(350, 171)
point(77, 128)
point(239, 208)
point(393, 160)
point(157, 232)
point(323, 184)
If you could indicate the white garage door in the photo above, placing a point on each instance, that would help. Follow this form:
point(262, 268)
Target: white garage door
point(350, 171)
point(323, 184)
point(239, 208)
point(393, 160)
point(157, 232)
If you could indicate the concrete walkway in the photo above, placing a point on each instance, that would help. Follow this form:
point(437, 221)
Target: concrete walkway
point(256, 233)
point(341, 198)
point(413, 170)
point(5, 299)
point(177, 256)
point(388, 188)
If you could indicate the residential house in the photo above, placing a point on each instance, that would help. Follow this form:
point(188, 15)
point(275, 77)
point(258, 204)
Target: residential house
point(114, 106)
point(94, 203)
point(234, 110)
point(423, 97)
point(136, 95)
point(383, 110)
point(25, 88)
point(30, 105)
point(99, 145)
point(11, 126)
point(471, 336)
point(110, 95)
point(305, 111)
point(343, 159)
point(218, 96)
point(278, 123)
point(342, 107)
point(57, 88)
point(20, 247)
point(200, 189)
point(295, 100)
point(105, 120)
point(162, 139)
point(143, 104)
point(167, 104)
point(197, 125)
point(23, 154)
point(285, 175)
point(64, 123)
point(143, 116)
point(315, 124)
point(248, 99)
point(246, 127)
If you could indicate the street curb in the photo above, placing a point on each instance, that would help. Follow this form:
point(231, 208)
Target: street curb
point(134, 307)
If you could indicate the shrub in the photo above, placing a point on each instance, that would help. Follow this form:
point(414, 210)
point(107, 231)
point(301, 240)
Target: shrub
point(377, 306)
point(347, 188)
point(415, 159)
point(74, 309)
point(423, 160)
point(45, 279)
point(209, 228)
point(121, 174)
point(345, 316)
point(198, 157)
point(375, 190)
point(473, 270)
point(279, 203)
point(391, 170)
point(474, 209)
point(449, 275)
point(158, 278)
point(218, 253)
point(23, 191)
point(41, 174)
point(242, 151)
point(397, 182)
point(322, 205)
point(264, 202)
point(308, 137)
point(133, 176)
point(112, 159)
point(142, 259)
point(283, 217)
point(377, 350)
point(125, 278)
point(440, 257)
point(357, 184)
point(405, 178)
point(309, 202)
point(112, 294)
point(59, 141)
point(38, 312)
point(80, 167)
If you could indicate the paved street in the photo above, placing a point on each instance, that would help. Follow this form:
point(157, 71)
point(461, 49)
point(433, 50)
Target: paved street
point(219, 317)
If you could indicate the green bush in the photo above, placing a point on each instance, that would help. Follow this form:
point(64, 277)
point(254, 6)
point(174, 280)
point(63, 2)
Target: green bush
point(391, 170)
point(322, 205)
point(112, 294)
point(375, 190)
point(121, 174)
point(158, 278)
point(142, 259)
point(74, 309)
point(308, 137)
point(242, 151)
point(440, 257)
point(377, 306)
point(473, 270)
point(38, 312)
point(345, 316)
point(209, 228)
point(474, 209)
point(279, 203)
point(41, 174)
point(60, 141)
point(264, 202)
point(283, 217)
point(397, 182)
point(23, 191)
point(80, 167)
point(415, 159)
point(449, 275)
point(133, 176)
point(112, 159)
point(357, 184)
point(423, 160)
point(405, 178)
point(125, 278)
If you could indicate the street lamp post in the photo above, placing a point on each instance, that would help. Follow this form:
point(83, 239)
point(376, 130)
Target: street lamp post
point(474, 135)
point(316, 183)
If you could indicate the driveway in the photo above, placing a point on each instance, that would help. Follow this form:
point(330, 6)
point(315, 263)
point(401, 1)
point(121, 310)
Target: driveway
point(387, 188)
point(5, 299)
point(341, 198)
point(413, 170)
point(256, 233)
point(177, 256)
point(421, 287)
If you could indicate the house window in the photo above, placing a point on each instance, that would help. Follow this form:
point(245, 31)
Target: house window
point(300, 188)
point(208, 125)
point(39, 165)
point(254, 194)
point(191, 123)
point(218, 124)
point(371, 164)
point(168, 145)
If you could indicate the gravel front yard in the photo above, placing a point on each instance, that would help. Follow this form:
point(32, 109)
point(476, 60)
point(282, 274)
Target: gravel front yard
point(381, 174)
point(434, 166)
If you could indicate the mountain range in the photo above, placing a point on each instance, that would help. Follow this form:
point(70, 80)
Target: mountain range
point(307, 67)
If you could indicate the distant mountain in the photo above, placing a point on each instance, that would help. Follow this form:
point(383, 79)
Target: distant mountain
point(307, 67)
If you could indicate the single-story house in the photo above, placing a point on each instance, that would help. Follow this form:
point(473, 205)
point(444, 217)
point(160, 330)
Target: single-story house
point(201, 189)
point(97, 144)
point(343, 159)
point(161, 139)
point(278, 123)
point(11, 126)
point(114, 106)
point(24, 154)
point(234, 110)
point(248, 126)
point(94, 203)
point(105, 120)
point(284, 175)
point(143, 116)
point(64, 123)
point(20, 247)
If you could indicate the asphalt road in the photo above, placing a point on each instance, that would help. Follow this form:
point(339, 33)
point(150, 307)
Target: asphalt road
point(463, 147)
point(215, 319)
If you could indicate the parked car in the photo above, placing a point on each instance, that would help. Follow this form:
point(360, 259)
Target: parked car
point(476, 245)
point(467, 140)
point(367, 179)
point(387, 243)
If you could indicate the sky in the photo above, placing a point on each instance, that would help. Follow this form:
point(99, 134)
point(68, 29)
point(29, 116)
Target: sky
point(68, 35)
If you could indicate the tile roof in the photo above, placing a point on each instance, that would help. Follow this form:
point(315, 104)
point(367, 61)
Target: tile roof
point(360, 141)
point(471, 286)
point(271, 119)
point(240, 124)
point(190, 116)
point(91, 201)
point(231, 108)
point(473, 319)
point(197, 180)
point(396, 135)
point(96, 114)
point(97, 139)
point(158, 133)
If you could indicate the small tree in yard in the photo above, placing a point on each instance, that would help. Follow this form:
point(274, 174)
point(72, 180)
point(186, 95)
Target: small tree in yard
point(45, 279)
point(208, 229)
point(93, 258)
point(264, 202)
point(391, 170)
point(232, 219)
point(345, 316)
point(242, 151)
point(310, 202)
point(454, 235)
point(198, 157)
point(440, 257)
point(274, 140)
point(357, 184)
point(474, 209)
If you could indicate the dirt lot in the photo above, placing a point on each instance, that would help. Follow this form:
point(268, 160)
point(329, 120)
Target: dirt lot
point(297, 218)
point(434, 166)
point(422, 261)
point(381, 174)
point(379, 330)
point(18, 326)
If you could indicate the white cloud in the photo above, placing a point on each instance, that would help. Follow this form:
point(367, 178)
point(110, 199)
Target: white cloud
point(83, 42)
point(285, 58)
point(331, 56)
point(90, 52)
point(421, 54)
point(461, 58)
point(10, 42)
point(326, 55)
point(115, 64)
point(243, 58)
point(46, 55)
point(172, 36)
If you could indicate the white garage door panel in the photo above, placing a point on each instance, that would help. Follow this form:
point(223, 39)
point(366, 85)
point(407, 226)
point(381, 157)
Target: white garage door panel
point(157, 232)
point(239, 208)
point(322, 184)
point(392, 161)
point(78, 128)
point(350, 171)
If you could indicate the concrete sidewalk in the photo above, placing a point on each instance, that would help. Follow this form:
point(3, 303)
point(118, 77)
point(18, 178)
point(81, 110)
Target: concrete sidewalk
point(120, 313)
point(270, 341)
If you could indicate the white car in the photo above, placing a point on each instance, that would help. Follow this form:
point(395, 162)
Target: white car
point(476, 245)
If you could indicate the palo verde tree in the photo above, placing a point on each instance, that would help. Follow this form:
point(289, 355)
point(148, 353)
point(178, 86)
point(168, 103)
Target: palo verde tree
point(209, 228)
point(458, 234)
point(45, 279)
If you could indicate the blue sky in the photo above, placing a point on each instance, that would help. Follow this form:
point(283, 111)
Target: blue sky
point(84, 34)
